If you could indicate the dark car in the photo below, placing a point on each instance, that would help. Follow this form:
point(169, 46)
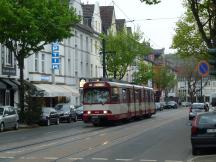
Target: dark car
point(197, 108)
point(66, 112)
point(171, 105)
point(49, 115)
point(79, 112)
point(203, 131)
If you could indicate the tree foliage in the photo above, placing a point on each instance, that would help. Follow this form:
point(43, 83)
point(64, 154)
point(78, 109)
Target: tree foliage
point(187, 39)
point(188, 71)
point(150, 2)
point(27, 25)
point(204, 13)
point(121, 51)
point(163, 78)
point(143, 74)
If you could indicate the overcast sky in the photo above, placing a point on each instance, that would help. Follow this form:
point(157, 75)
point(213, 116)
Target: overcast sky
point(160, 30)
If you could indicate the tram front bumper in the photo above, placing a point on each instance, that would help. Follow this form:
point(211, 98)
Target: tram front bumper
point(95, 118)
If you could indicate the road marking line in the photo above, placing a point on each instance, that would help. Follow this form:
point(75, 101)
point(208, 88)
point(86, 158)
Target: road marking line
point(50, 158)
point(102, 134)
point(106, 142)
point(75, 158)
point(30, 158)
point(172, 161)
point(99, 159)
point(6, 157)
point(148, 160)
point(123, 159)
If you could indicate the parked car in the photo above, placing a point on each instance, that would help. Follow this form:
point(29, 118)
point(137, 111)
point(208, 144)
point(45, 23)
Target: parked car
point(66, 112)
point(203, 131)
point(49, 116)
point(171, 105)
point(197, 108)
point(79, 112)
point(158, 106)
point(162, 104)
point(186, 104)
point(8, 118)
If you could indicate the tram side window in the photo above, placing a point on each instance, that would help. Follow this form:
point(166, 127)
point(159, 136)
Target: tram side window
point(124, 95)
point(115, 97)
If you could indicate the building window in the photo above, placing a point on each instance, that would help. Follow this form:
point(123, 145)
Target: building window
point(91, 70)
point(87, 45)
point(76, 59)
point(69, 67)
point(81, 41)
point(36, 62)
point(8, 56)
point(91, 46)
point(43, 63)
point(96, 72)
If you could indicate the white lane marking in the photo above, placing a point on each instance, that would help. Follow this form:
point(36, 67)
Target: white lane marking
point(172, 161)
point(50, 158)
point(123, 159)
point(14, 152)
point(99, 159)
point(6, 157)
point(148, 160)
point(103, 134)
point(30, 158)
point(51, 132)
point(106, 142)
point(75, 159)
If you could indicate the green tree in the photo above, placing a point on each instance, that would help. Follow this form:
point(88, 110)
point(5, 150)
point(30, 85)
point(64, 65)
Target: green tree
point(143, 74)
point(188, 71)
point(27, 25)
point(121, 51)
point(187, 39)
point(204, 13)
point(164, 79)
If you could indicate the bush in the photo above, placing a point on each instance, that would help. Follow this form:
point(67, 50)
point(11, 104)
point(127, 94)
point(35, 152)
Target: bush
point(33, 104)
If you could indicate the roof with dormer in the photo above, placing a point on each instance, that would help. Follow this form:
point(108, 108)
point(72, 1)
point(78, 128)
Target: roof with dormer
point(120, 24)
point(106, 13)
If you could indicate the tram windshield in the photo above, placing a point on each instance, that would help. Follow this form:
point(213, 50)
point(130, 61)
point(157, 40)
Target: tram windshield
point(96, 96)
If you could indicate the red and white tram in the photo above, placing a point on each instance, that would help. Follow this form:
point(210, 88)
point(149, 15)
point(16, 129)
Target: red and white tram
point(113, 101)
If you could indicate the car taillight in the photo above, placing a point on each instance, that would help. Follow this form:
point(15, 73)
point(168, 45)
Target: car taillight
point(194, 127)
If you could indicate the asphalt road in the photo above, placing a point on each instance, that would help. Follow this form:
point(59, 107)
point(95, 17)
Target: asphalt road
point(163, 138)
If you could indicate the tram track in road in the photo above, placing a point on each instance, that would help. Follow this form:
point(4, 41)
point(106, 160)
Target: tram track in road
point(26, 150)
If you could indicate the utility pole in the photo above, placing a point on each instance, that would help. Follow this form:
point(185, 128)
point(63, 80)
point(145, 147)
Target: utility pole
point(104, 57)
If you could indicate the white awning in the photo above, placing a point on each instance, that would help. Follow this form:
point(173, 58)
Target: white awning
point(53, 90)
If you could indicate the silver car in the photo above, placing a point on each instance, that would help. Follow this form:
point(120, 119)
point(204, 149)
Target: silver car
point(8, 118)
point(197, 108)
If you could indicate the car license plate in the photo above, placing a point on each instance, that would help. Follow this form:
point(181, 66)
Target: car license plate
point(94, 117)
point(211, 130)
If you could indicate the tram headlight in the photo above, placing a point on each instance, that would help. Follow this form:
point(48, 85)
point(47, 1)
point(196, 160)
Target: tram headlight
point(105, 112)
point(89, 112)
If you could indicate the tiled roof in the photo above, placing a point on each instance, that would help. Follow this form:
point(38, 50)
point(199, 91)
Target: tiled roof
point(120, 24)
point(88, 10)
point(106, 13)
point(129, 30)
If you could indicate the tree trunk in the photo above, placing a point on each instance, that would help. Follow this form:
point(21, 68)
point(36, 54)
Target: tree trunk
point(21, 88)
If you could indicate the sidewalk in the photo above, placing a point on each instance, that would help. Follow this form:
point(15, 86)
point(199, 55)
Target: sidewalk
point(26, 126)
point(206, 158)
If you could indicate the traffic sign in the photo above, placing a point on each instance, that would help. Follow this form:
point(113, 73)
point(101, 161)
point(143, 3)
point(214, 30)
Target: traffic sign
point(55, 66)
point(203, 68)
